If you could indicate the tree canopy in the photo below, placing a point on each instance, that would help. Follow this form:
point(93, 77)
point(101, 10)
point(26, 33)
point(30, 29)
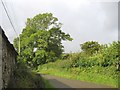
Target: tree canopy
point(90, 47)
point(41, 40)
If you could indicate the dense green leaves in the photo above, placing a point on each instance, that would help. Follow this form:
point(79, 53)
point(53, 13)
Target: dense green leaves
point(107, 56)
point(90, 47)
point(41, 40)
point(111, 54)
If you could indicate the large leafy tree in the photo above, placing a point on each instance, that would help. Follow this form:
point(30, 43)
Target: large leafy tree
point(41, 40)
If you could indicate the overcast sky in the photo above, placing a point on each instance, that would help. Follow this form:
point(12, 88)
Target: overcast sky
point(84, 21)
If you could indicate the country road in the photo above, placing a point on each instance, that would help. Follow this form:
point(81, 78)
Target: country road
point(59, 82)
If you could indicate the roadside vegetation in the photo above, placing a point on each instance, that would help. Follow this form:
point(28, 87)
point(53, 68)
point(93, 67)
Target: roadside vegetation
point(25, 78)
point(42, 51)
point(98, 67)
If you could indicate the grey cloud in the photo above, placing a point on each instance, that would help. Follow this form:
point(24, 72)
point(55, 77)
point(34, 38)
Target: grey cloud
point(88, 21)
point(111, 11)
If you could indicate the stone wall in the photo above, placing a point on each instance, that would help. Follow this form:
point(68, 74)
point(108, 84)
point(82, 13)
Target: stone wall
point(0, 60)
point(7, 59)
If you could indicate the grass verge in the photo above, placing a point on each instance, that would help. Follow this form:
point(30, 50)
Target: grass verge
point(83, 76)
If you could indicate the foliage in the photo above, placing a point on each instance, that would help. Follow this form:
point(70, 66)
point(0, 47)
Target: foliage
point(101, 67)
point(41, 40)
point(111, 54)
point(90, 47)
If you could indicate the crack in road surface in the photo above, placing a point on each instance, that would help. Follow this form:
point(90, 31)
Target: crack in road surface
point(58, 82)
